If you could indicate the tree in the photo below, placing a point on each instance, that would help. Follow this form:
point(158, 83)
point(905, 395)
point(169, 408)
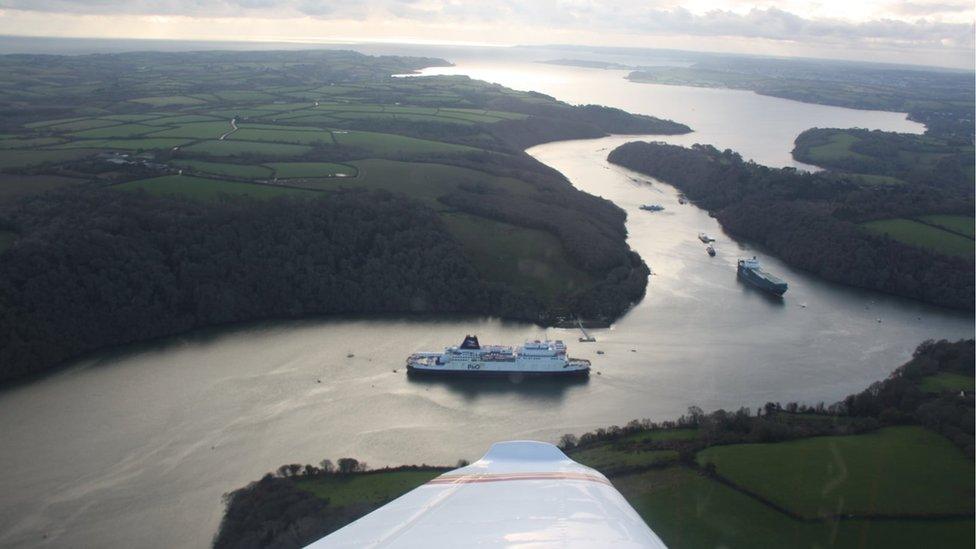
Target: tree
point(349, 465)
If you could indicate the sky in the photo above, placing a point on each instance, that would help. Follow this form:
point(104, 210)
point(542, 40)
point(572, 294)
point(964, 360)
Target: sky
point(928, 32)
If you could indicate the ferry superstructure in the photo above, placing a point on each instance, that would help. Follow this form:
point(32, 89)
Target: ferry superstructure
point(534, 358)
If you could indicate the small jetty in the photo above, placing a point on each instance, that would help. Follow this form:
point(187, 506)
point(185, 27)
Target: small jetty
point(586, 337)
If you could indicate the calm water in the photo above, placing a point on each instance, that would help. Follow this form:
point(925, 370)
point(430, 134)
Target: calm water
point(135, 447)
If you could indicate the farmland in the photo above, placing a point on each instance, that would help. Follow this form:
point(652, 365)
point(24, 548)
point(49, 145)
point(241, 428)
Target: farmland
point(230, 130)
point(923, 235)
point(888, 473)
point(833, 479)
point(206, 189)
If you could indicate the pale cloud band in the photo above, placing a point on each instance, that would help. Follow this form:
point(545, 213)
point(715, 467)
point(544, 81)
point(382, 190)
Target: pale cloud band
point(869, 25)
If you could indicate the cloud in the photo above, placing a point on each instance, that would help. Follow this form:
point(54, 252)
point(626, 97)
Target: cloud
point(649, 17)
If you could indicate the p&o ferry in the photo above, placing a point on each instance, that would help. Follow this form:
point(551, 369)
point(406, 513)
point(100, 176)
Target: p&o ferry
point(750, 270)
point(473, 359)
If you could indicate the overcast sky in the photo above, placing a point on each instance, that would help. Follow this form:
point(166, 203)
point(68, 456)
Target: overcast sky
point(934, 32)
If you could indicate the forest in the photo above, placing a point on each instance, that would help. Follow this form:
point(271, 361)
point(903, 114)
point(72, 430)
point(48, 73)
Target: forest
point(811, 220)
point(917, 159)
point(97, 267)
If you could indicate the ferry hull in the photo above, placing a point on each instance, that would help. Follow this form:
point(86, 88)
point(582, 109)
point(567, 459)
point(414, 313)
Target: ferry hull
point(447, 372)
point(763, 284)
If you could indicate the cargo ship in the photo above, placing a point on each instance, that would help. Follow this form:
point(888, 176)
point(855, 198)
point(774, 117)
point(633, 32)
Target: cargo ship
point(752, 272)
point(534, 358)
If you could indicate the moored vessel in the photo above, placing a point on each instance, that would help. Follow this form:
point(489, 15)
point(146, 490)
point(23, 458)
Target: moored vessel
point(752, 272)
point(473, 359)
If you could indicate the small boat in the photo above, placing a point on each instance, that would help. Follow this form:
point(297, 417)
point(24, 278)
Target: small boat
point(651, 207)
point(711, 250)
point(705, 238)
point(682, 200)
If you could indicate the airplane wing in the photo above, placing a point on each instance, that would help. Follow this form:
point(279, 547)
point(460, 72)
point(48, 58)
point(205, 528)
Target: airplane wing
point(520, 493)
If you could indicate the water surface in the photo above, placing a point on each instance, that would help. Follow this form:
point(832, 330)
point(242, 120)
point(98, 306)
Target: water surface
point(135, 447)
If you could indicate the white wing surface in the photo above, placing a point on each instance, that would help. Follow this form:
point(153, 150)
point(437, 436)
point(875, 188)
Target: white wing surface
point(520, 493)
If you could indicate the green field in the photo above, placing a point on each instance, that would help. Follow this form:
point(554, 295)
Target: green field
point(896, 471)
point(607, 458)
point(838, 147)
point(947, 381)
point(662, 435)
point(243, 171)
point(196, 130)
point(13, 186)
point(168, 101)
point(421, 180)
point(374, 488)
point(120, 130)
point(301, 137)
point(79, 124)
point(14, 143)
point(179, 119)
point(688, 510)
point(23, 159)
point(6, 239)
point(240, 148)
point(516, 255)
point(388, 144)
point(287, 170)
point(962, 224)
point(923, 236)
point(206, 189)
point(147, 143)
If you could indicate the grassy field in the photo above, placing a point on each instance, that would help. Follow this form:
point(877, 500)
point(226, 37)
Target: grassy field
point(670, 434)
point(196, 130)
point(205, 189)
point(607, 458)
point(923, 236)
point(23, 159)
point(120, 130)
point(948, 382)
point(168, 101)
point(688, 510)
point(421, 180)
point(962, 224)
point(374, 488)
point(286, 170)
point(838, 147)
point(515, 255)
point(13, 187)
point(894, 471)
point(300, 137)
point(388, 144)
point(243, 171)
point(240, 148)
point(148, 143)
point(6, 239)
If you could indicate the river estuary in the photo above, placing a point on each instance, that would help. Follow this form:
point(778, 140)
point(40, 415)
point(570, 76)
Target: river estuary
point(134, 447)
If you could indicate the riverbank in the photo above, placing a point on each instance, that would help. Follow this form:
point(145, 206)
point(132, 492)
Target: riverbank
point(690, 478)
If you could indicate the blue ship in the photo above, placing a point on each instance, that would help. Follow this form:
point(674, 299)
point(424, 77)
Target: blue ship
point(750, 270)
